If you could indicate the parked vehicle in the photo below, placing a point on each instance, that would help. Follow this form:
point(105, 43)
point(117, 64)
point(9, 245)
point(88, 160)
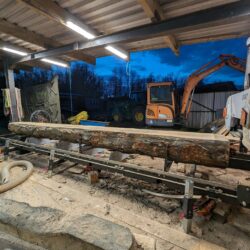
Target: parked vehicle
point(163, 107)
point(128, 108)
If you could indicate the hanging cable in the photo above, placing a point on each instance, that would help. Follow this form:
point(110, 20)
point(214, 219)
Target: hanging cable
point(70, 90)
point(129, 78)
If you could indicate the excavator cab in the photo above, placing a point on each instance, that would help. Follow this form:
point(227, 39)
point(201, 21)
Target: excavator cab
point(160, 110)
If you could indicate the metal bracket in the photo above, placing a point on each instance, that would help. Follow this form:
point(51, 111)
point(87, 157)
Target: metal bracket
point(243, 195)
point(193, 170)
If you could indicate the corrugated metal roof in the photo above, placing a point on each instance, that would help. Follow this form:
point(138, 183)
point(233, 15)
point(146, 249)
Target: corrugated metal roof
point(108, 16)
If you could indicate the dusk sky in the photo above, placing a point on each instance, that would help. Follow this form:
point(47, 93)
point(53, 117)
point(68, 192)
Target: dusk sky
point(163, 62)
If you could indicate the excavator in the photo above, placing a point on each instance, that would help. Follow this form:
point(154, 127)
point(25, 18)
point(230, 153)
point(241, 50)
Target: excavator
point(162, 105)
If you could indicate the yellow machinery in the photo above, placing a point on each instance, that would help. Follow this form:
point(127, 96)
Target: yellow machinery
point(162, 108)
point(77, 118)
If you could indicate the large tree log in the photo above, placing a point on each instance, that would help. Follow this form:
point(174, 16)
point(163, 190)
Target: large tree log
point(186, 147)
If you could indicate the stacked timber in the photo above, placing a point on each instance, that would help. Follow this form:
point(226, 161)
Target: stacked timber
point(186, 147)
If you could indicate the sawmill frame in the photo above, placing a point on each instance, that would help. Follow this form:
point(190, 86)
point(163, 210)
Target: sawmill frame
point(239, 195)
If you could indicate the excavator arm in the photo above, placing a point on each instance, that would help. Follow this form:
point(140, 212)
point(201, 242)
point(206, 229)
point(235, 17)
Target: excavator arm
point(204, 71)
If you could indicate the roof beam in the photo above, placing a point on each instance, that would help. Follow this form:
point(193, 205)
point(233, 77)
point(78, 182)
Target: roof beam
point(26, 35)
point(16, 70)
point(56, 13)
point(154, 11)
point(27, 65)
point(173, 44)
point(190, 22)
point(39, 40)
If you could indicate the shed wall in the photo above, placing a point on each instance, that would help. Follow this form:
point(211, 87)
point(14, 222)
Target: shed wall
point(215, 102)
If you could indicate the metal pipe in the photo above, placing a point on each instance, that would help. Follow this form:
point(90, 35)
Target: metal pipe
point(70, 91)
point(170, 196)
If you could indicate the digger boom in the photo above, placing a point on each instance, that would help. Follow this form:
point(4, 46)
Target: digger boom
point(207, 69)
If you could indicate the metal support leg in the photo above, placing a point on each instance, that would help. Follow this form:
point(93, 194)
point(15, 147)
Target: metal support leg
point(167, 164)
point(6, 150)
point(51, 161)
point(188, 206)
point(80, 147)
point(192, 170)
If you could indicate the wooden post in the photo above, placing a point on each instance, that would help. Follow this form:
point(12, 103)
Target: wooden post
point(10, 84)
point(93, 177)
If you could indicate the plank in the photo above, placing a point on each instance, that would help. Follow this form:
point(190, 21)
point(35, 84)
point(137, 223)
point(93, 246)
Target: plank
point(186, 147)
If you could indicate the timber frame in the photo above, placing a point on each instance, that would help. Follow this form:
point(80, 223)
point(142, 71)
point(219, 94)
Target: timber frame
point(190, 22)
point(153, 10)
point(131, 25)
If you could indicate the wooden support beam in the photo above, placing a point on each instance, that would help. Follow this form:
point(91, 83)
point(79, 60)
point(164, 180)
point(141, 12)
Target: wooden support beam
point(173, 44)
point(56, 13)
point(79, 55)
point(186, 147)
point(27, 35)
point(188, 23)
point(39, 40)
point(154, 11)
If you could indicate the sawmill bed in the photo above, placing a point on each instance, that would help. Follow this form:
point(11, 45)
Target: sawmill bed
point(70, 169)
point(238, 194)
point(152, 220)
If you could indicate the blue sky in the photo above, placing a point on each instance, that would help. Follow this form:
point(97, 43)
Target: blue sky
point(163, 62)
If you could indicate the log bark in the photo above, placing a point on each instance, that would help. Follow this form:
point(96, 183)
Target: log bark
point(186, 147)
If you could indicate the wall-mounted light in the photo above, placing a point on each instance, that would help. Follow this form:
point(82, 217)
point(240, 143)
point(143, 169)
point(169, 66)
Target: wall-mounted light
point(65, 65)
point(80, 30)
point(116, 52)
point(14, 51)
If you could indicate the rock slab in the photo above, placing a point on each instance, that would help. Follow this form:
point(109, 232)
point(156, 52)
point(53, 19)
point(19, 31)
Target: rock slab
point(52, 229)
